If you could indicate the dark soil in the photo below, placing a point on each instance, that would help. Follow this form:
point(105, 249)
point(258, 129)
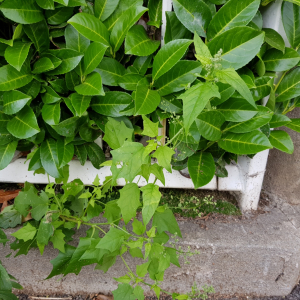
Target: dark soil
point(295, 295)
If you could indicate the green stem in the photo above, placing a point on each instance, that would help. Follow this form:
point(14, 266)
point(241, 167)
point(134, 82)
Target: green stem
point(277, 85)
point(128, 268)
point(76, 220)
point(208, 146)
point(174, 137)
point(148, 284)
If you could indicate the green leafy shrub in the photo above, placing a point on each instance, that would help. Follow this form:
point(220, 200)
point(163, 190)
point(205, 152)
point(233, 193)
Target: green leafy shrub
point(74, 70)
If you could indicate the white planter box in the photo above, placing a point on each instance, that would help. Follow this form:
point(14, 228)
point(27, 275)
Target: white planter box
point(245, 178)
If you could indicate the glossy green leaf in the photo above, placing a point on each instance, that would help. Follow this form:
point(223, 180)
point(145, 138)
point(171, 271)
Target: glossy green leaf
point(49, 158)
point(138, 42)
point(146, 100)
point(175, 29)
point(95, 154)
point(116, 133)
point(279, 120)
point(195, 16)
point(93, 56)
point(262, 88)
point(69, 61)
point(289, 87)
point(201, 168)
point(43, 65)
point(65, 152)
point(209, 125)
point(155, 12)
point(67, 127)
point(178, 78)
point(75, 40)
point(7, 153)
point(233, 14)
point(130, 81)
point(119, 11)
point(129, 201)
point(168, 56)
point(171, 105)
point(237, 110)
point(230, 76)
point(63, 2)
point(142, 63)
point(72, 80)
point(124, 23)
point(81, 153)
point(111, 104)
point(245, 143)
point(294, 125)
point(50, 96)
point(282, 141)
point(111, 71)
point(195, 100)
point(80, 103)
point(276, 61)
point(90, 27)
point(39, 35)
point(11, 79)
point(104, 8)
point(245, 44)
point(59, 15)
point(291, 22)
point(6, 137)
point(262, 118)
point(45, 4)
point(51, 113)
point(73, 3)
point(274, 39)
point(151, 198)
point(24, 12)
point(24, 125)
point(92, 86)
point(14, 101)
point(225, 90)
point(17, 54)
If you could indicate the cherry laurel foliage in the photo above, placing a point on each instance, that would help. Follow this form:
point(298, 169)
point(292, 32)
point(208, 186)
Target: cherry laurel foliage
point(74, 70)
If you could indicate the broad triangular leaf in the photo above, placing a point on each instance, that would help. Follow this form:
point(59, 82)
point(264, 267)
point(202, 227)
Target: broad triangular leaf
point(151, 199)
point(129, 201)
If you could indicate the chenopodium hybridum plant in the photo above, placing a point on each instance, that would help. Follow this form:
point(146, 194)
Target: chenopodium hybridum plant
point(74, 70)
